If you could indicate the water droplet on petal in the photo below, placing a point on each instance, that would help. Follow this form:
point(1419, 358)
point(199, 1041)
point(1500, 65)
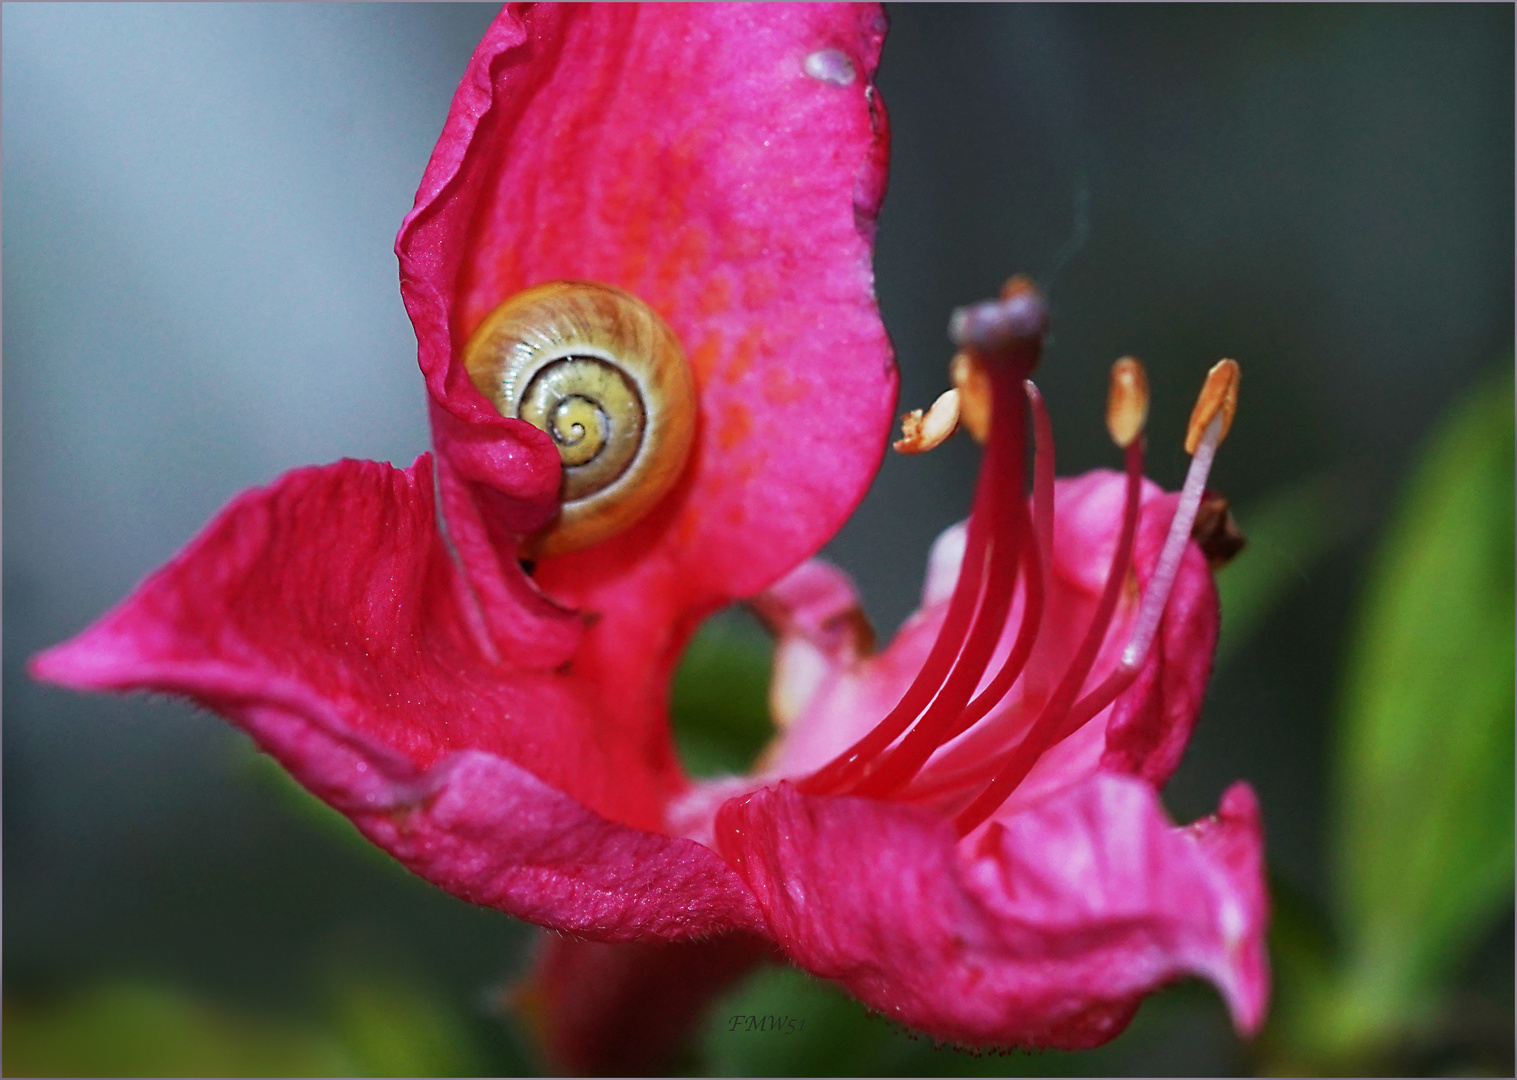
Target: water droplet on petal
point(830, 66)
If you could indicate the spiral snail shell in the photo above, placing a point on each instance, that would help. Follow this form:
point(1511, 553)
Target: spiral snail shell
point(601, 373)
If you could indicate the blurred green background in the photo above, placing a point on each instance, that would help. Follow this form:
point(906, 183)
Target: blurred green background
point(199, 293)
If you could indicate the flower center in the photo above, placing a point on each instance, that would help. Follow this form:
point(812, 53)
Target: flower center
point(1008, 553)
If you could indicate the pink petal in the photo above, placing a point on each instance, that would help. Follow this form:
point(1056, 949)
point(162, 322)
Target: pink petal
point(1148, 727)
point(321, 615)
point(724, 163)
point(1045, 932)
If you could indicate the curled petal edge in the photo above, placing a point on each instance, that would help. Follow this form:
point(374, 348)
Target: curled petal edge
point(1046, 931)
point(474, 824)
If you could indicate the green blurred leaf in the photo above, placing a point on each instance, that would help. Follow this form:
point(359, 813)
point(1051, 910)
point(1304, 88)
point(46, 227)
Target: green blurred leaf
point(1288, 533)
point(1301, 957)
point(394, 1027)
point(1424, 773)
point(377, 1024)
point(131, 1029)
point(720, 704)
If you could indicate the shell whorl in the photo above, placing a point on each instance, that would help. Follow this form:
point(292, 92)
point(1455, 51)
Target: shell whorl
point(601, 373)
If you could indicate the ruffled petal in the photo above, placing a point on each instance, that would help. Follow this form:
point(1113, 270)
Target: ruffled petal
point(322, 616)
point(725, 163)
point(1044, 932)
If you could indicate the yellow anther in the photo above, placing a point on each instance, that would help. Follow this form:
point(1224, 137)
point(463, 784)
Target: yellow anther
point(972, 382)
point(1127, 401)
point(1017, 283)
point(921, 431)
point(1220, 394)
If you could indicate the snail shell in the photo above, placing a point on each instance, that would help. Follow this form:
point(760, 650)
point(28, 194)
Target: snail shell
point(601, 373)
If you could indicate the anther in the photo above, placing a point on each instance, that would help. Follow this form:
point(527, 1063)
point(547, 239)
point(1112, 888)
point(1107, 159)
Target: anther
point(1017, 284)
point(972, 381)
point(1214, 411)
point(923, 431)
point(1218, 395)
point(1215, 531)
point(1127, 401)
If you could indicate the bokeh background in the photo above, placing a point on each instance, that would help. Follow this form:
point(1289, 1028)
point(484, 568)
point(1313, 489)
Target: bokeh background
point(199, 204)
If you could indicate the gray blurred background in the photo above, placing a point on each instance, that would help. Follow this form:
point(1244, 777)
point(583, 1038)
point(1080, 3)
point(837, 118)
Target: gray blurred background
point(199, 293)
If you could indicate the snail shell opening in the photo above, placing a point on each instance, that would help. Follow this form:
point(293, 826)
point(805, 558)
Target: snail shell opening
point(601, 373)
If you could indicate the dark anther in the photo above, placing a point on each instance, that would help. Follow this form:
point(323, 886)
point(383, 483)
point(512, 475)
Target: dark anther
point(1216, 531)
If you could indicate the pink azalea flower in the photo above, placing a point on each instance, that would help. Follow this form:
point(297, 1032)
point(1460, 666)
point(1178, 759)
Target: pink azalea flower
point(962, 829)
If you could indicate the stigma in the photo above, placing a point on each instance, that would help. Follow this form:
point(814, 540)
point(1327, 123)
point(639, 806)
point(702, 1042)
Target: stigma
point(960, 740)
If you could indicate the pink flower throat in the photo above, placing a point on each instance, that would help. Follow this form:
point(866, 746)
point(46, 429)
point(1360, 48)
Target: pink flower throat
point(1008, 549)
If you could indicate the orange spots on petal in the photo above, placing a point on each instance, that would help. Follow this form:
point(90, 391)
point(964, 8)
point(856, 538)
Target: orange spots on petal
point(703, 358)
point(741, 361)
point(740, 245)
point(736, 426)
point(759, 290)
point(634, 262)
point(715, 296)
point(683, 259)
point(782, 390)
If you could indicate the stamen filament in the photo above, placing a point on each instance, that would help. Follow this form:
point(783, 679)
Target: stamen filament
point(1000, 344)
point(1156, 597)
point(1038, 563)
point(847, 766)
point(1009, 512)
point(1013, 766)
point(1016, 660)
point(1042, 479)
point(1003, 340)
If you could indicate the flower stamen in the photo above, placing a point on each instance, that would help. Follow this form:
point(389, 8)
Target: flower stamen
point(1042, 478)
point(1127, 401)
point(924, 431)
point(972, 382)
point(1214, 410)
point(1010, 768)
point(1015, 548)
point(1037, 561)
point(1218, 397)
point(1009, 550)
point(1006, 338)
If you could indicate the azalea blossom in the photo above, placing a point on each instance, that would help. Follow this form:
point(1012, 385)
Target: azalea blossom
point(471, 657)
